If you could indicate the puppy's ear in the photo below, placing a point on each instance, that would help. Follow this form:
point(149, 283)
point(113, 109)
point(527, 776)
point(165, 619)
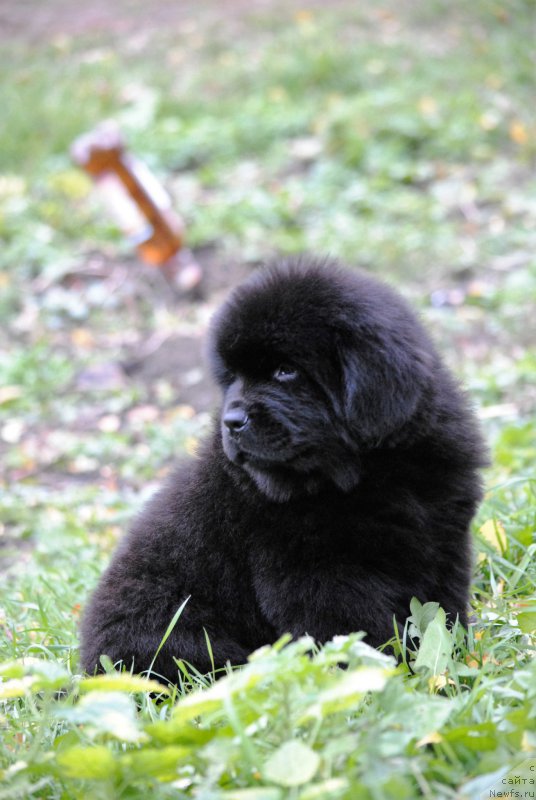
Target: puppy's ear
point(383, 383)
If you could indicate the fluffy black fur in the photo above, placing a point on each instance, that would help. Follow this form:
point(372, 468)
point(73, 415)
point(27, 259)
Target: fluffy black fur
point(339, 483)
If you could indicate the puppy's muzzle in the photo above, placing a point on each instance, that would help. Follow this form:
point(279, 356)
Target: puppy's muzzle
point(235, 420)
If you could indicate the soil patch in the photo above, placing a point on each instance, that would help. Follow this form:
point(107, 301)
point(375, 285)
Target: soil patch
point(180, 359)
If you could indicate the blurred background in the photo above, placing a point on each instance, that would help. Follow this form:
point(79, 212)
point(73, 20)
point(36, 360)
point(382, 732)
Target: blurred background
point(398, 136)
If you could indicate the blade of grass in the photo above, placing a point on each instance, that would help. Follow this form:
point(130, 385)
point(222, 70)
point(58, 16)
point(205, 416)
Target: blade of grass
point(167, 634)
point(210, 653)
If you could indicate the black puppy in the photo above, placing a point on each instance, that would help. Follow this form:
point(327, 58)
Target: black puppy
point(339, 483)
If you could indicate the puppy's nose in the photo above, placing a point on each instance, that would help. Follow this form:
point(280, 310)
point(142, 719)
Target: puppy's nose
point(235, 419)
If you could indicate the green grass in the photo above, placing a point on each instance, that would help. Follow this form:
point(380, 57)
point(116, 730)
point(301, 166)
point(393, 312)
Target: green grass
point(401, 139)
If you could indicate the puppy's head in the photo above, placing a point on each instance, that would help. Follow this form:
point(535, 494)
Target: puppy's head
point(316, 365)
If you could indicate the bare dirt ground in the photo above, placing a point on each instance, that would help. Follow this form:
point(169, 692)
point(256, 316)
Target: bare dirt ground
point(32, 20)
point(181, 359)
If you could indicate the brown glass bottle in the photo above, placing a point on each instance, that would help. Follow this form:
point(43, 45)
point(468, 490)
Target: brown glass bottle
point(135, 197)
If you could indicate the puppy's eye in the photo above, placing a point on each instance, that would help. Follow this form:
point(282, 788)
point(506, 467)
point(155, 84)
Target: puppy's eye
point(284, 372)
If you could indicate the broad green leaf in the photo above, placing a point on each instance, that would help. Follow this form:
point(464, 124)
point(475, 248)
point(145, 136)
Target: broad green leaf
point(121, 682)
point(159, 763)
point(212, 699)
point(112, 713)
point(429, 716)
point(345, 648)
point(436, 646)
point(410, 717)
point(16, 687)
point(527, 621)
point(44, 674)
point(204, 701)
point(257, 793)
point(347, 691)
point(415, 607)
point(12, 669)
point(332, 788)
point(422, 615)
point(292, 764)
point(96, 763)
point(398, 786)
point(276, 647)
point(478, 736)
point(172, 731)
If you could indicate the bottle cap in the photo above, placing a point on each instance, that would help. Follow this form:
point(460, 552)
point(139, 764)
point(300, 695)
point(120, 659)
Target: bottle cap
point(104, 137)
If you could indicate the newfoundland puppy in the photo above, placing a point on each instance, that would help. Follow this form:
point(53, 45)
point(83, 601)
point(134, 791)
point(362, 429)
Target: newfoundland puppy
point(339, 481)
